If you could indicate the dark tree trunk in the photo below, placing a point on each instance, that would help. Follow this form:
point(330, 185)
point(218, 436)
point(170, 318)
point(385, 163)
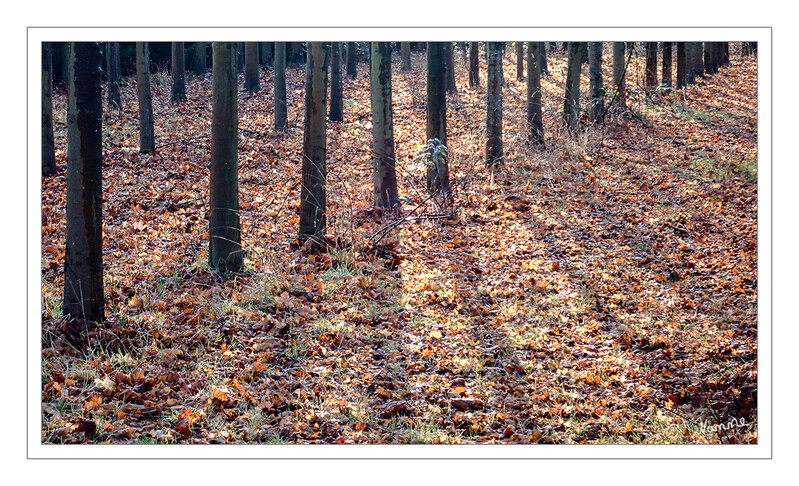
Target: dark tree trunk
point(48, 142)
point(619, 66)
point(725, 53)
point(267, 53)
point(383, 161)
point(83, 261)
point(113, 67)
point(146, 124)
point(535, 120)
point(571, 99)
point(651, 73)
point(494, 149)
point(681, 72)
point(474, 64)
point(596, 107)
point(252, 81)
point(178, 72)
point(224, 229)
point(666, 74)
point(438, 173)
point(352, 60)
point(199, 63)
point(520, 61)
point(449, 52)
point(239, 55)
point(405, 54)
point(281, 111)
point(336, 85)
point(711, 59)
point(542, 58)
point(694, 66)
point(313, 219)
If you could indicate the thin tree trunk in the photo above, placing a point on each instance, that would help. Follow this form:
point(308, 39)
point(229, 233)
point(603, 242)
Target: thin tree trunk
point(114, 96)
point(438, 173)
point(178, 72)
point(405, 54)
point(48, 142)
point(239, 46)
point(313, 220)
point(651, 73)
point(666, 71)
point(618, 69)
point(449, 52)
point(281, 111)
point(542, 58)
point(199, 62)
point(474, 64)
point(520, 61)
point(383, 161)
point(596, 108)
point(224, 230)
point(681, 65)
point(494, 149)
point(336, 84)
point(267, 53)
point(83, 261)
point(146, 124)
point(252, 80)
point(352, 60)
point(571, 100)
point(535, 118)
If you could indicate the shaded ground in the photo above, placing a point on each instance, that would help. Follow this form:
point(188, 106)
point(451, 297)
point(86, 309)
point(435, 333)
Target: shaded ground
point(603, 290)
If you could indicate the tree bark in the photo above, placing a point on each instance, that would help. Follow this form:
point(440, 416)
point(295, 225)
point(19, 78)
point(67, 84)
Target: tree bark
point(114, 96)
point(596, 108)
point(405, 54)
point(267, 53)
point(474, 64)
point(383, 161)
point(178, 72)
point(252, 81)
point(542, 58)
point(352, 60)
point(436, 111)
point(336, 84)
point(520, 61)
point(571, 100)
point(681, 72)
point(83, 261)
point(224, 230)
point(48, 141)
point(619, 61)
point(535, 119)
point(666, 71)
point(313, 220)
point(146, 124)
point(494, 149)
point(281, 111)
point(651, 73)
point(449, 52)
point(199, 62)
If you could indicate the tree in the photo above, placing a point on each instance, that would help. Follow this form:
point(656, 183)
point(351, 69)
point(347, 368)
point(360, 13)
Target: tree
point(681, 65)
point(146, 124)
point(449, 55)
point(666, 71)
point(313, 219)
point(494, 149)
point(693, 61)
point(267, 53)
point(252, 73)
point(239, 55)
point(178, 72)
point(520, 61)
point(436, 114)
point(571, 99)
point(619, 67)
point(542, 58)
point(535, 121)
point(113, 66)
point(281, 113)
point(474, 64)
point(596, 107)
point(336, 86)
point(224, 227)
point(405, 55)
point(385, 176)
point(48, 142)
point(83, 260)
point(199, 63)
point(651, 72)
point(352, 59)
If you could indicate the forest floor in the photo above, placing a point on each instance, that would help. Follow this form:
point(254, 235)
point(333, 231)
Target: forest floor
point(601, 290)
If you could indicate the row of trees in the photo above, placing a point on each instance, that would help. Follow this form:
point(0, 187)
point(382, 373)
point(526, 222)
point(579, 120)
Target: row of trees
point(83, 294)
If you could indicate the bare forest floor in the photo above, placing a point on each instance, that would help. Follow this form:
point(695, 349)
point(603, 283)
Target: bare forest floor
point(602, 290)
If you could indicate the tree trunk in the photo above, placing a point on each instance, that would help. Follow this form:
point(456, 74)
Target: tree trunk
point(725, 53)
point(535, 119)
point(48, 142)
point(146, 124)
point(352, 59)
point(666, 74)
point(651, 73)
point(281, 111)
point(542, 58)
point(224, 229)
point(336, 85)
point(252, 81)
point(313, 219)
point(199, 62)
point(114, 96)
point(83, 261)
point(178, 72)
point(571, 100)
point(405, 54)
point(681, 72)
point(520, 61)
point(438, 173)
point(383, 161)
point(474, 64)
point(239, 46)
point(596, 107)
point(494, 149)
point(619, 61)
point(449, 52)
point(267, 53)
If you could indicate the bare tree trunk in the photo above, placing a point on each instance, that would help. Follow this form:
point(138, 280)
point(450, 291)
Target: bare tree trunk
point(651, 73)
point(542, 58)
point(352, 60)
point(83, 261)
point(596, 108)
point(224, 244)
point(48, 142)
point(666, 74)
point(474, 64)
point(281, 111)
point(146, 124)
point(313, 219)
point(437, 174)
point(199, 63)
point(178, 72)
point(114, 96)
point(520, 61)
point(383, 161)
point(336, 86)
point(267, 53)
point(405, 54)
point(571, 99)
point(449, 52)
point(619, 62)
point(535, 120)
point(681, 64)
point(252, 81)
point(494, 149)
